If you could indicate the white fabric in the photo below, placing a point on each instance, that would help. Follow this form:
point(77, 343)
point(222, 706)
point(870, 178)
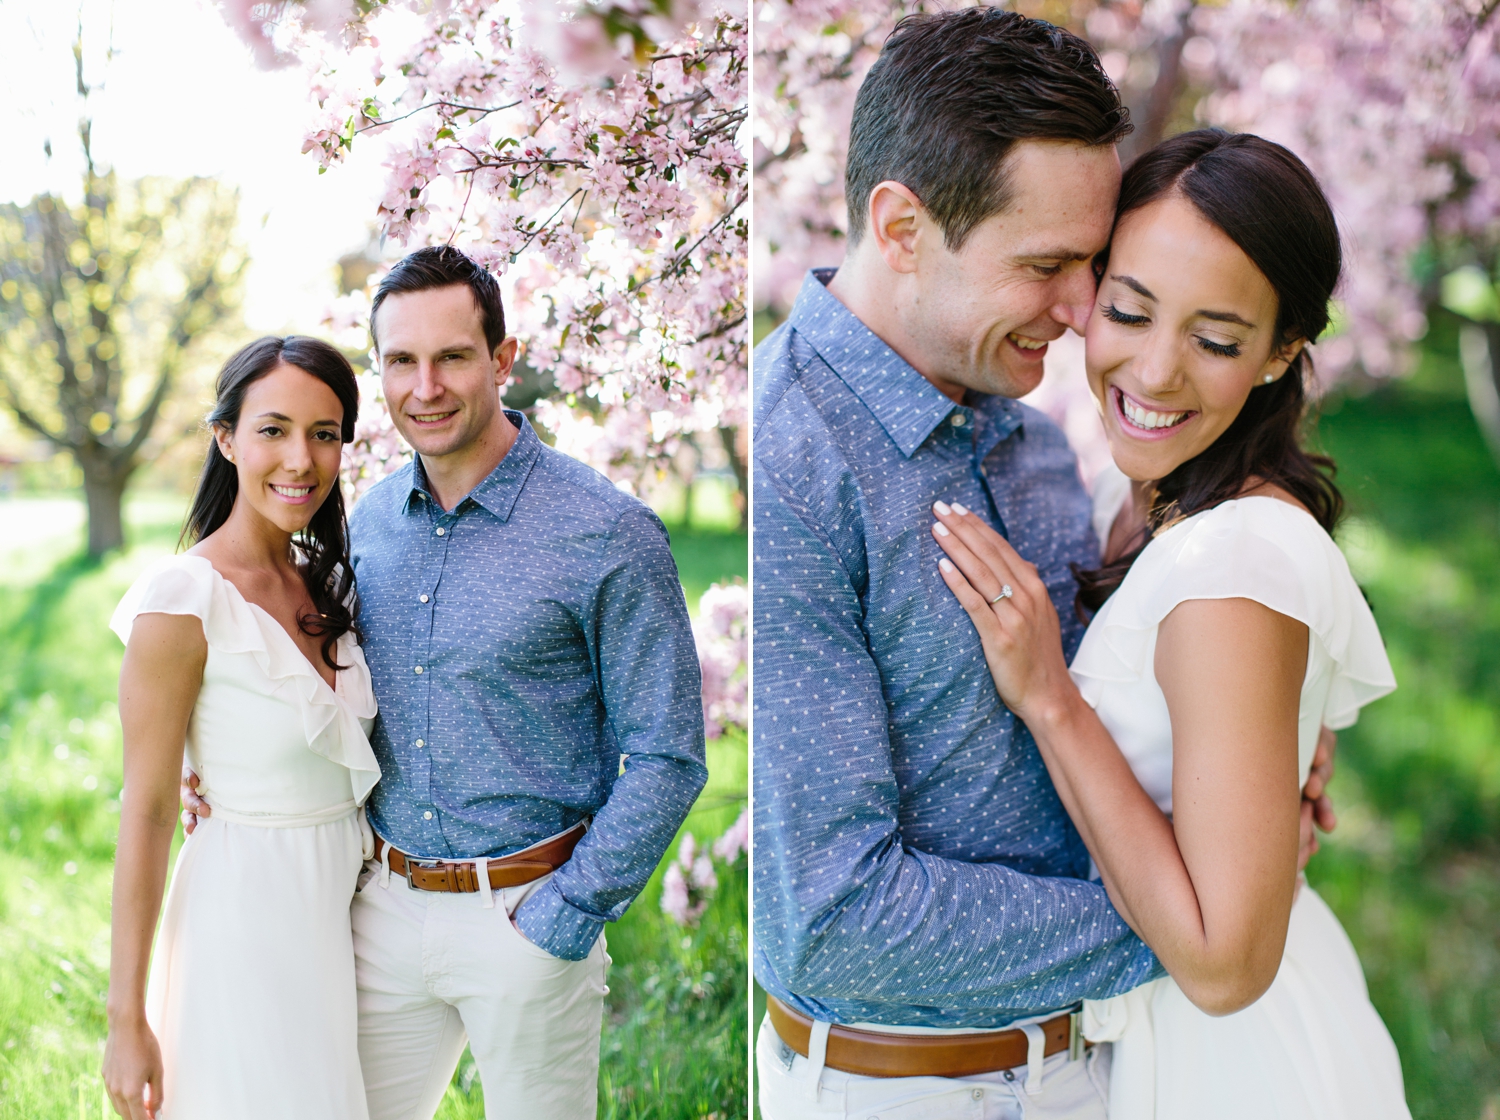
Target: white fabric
point(251, 993)
point(1074, 1091)
point(1313, 1047)
point(436, 969)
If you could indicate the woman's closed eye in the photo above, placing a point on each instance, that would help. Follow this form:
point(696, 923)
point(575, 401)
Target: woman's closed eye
point(1222, 349)
point(1115, 315)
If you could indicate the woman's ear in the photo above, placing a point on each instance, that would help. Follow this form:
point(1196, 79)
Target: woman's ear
point(225, 439)
point(1281, 357)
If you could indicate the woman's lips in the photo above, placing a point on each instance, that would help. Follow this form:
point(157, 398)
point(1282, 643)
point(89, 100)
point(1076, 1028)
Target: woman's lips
point(1146, 423)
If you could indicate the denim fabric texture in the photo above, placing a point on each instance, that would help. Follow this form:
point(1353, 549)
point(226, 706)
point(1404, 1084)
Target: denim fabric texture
point(913, 864)
point(520, 644)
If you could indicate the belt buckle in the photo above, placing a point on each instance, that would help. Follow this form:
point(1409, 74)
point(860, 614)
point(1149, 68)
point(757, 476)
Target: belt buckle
point(423, 865)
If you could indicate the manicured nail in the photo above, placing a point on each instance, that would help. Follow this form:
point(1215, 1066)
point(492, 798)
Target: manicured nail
point(945, 564)
point(940, 529)
point(958, 509)
point(942, 508)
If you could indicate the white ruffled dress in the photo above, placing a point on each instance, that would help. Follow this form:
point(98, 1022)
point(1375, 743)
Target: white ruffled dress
point(1313, 1047)
point(252, 993)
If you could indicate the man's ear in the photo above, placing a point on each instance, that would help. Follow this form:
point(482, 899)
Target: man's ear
point(505, 358)
point(897, 220)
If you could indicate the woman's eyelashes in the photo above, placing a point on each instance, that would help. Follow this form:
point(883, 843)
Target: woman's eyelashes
point(1115, 315)
point(1222, 349)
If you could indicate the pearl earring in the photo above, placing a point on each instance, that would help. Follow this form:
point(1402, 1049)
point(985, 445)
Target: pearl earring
point(1269, 379)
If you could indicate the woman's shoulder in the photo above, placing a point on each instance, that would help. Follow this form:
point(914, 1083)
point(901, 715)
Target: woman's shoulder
point(182, 584)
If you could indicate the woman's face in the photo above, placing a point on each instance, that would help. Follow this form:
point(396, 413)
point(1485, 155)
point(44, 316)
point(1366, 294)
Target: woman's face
point(286, 447)
point(1183, 329)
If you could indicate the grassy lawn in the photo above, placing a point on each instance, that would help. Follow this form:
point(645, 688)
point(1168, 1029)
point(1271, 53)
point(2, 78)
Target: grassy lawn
point(675, 1034)
point(1413, 870)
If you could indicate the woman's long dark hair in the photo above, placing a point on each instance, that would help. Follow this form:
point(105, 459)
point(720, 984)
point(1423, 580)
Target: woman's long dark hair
point(324, 544)
point(1268, 203)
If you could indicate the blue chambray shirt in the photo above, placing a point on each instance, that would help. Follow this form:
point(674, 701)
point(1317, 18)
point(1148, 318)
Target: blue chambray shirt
point(913, 864)
point(519, 645)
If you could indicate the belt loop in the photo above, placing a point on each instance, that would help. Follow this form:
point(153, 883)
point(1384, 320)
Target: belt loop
point(817, 1055)
point(1036, 1054)
point(482, 872)
point(385, 865)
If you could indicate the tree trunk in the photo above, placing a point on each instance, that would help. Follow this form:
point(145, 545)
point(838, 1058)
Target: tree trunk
point(104, 489)
point(1479, 352)
point(730, 438)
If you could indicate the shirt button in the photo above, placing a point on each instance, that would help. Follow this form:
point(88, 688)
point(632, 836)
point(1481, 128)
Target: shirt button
point(422, 597)
point(420, 743)
point(419, 668)
point(977, 1094)
point(427, 816)
point(958, 421)
point(440, 531)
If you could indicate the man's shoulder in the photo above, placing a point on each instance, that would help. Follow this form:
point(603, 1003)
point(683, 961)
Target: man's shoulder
point(590, 494)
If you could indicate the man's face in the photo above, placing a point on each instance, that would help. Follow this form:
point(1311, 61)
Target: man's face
point(1023, 276)
point(440, 379)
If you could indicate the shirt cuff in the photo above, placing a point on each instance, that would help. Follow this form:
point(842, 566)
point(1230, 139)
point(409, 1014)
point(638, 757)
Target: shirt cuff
point(555, 925)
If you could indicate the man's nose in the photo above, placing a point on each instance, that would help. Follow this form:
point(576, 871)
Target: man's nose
point(1075, 292)
point(427, 387)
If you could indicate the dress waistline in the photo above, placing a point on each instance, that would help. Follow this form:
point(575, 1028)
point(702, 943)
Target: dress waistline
point(285, 820)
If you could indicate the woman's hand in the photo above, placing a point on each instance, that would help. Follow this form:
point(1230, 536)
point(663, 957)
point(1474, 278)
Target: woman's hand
point(1017, 623)
point(133, 1070)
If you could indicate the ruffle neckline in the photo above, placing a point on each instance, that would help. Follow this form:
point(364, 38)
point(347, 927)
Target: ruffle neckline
point(1258, 548)
point(232, 624)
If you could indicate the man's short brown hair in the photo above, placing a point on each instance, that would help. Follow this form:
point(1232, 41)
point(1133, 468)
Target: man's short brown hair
point(950, 95)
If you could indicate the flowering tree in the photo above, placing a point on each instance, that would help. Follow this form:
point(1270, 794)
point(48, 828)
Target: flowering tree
point(589, 156)
point(1395, 104)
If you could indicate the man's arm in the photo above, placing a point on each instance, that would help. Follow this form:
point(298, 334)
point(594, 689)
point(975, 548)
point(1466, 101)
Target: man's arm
point(842, 910)
point(642, 642)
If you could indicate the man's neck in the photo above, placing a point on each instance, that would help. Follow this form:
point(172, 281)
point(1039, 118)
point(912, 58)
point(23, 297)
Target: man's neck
point(873, 293)
point(452, 477)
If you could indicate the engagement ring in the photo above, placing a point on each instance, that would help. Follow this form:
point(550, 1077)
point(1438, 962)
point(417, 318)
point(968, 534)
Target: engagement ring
point(1005, 593)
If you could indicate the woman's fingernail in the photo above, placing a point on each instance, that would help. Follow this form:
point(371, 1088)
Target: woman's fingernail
point(945, 564)
point(942, 508)
point(940, 529)
point(958, 509)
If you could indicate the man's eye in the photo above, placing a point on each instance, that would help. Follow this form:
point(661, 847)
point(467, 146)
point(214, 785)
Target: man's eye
point(1115, 315)
point(1047, 269)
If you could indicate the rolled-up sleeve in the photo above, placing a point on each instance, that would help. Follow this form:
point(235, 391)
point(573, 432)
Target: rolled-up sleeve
point(641, 642)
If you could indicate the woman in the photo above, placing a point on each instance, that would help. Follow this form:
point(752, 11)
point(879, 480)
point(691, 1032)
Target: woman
point(1228, 629)
point(246, 647)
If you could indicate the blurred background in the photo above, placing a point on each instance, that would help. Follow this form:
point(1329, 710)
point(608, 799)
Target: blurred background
point(1396, 107)
point(157, 212)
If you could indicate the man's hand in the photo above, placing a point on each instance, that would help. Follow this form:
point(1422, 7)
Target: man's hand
point(1317, 808)
point(193, 805)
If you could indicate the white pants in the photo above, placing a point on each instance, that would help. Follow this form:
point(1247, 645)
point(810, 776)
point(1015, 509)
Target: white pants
point(435, 969)
point(1068, 1090)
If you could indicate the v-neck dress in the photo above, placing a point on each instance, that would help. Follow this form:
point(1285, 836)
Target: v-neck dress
point(252, 993)
point(1312, 1047)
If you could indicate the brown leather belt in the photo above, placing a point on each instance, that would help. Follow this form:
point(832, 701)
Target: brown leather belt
point(462, 876)
point(876, 1054)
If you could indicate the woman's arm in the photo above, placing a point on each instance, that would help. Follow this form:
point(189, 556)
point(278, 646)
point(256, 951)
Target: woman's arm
point(159, 682)
point(1211, 889)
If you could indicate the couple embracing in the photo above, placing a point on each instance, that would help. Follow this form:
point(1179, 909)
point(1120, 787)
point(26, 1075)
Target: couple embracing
point(411, 814)
point(1035, 775)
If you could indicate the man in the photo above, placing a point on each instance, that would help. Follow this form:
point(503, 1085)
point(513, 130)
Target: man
point(525, 630)
point(916, 875)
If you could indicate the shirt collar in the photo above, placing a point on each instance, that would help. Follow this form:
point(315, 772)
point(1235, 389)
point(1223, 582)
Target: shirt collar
point(502, 486)
point(905, 403)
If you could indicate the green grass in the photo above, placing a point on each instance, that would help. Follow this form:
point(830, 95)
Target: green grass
point(1413, 870)
point(675, 1038)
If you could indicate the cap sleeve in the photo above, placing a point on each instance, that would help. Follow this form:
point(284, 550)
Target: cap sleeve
point(1261, 549)
point(173, 585)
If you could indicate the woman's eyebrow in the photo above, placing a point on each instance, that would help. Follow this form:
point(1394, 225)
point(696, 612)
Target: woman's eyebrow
point(1226, 317)
point(1135, 286)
